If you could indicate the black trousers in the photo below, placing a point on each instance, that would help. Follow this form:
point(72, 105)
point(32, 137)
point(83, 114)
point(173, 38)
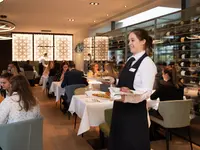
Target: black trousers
point(41, 69)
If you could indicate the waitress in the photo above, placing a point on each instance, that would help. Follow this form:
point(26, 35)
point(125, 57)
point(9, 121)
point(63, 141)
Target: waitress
point(42, 64)
point(129, 126)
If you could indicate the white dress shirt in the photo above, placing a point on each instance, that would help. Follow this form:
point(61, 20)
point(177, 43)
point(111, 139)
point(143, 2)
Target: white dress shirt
point(144, 79)
point(42, 60)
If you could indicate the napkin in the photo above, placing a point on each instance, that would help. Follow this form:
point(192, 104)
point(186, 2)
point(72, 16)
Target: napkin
point(115, 93)
point(153, 103)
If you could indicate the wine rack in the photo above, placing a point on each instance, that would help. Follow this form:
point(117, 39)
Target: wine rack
point(180, 42)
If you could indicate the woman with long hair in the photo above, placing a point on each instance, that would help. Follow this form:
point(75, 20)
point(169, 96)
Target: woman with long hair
point(129, 125)
point(109, 70)
point(94, 72)
point(21, 104)
point(48, 68)
point(170, 88)
point(65, 68)
point(5, 83)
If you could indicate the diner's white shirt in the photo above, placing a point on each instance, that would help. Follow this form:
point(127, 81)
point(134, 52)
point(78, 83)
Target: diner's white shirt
point(144, 78)
point(10, 110)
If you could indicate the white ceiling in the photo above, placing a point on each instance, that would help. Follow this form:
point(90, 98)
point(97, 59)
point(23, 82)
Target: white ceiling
point(37, 15)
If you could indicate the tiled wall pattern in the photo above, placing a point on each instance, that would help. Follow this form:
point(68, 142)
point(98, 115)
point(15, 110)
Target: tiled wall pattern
point(63, 47)
point(43, 44)
point(33, 46)
point(22, 47)
point(97, 46)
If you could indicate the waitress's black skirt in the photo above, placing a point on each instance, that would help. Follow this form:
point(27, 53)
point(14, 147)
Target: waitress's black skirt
point(129, 127)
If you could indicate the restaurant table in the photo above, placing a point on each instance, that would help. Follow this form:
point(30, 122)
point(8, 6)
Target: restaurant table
point(90, 111)
point(57, 90)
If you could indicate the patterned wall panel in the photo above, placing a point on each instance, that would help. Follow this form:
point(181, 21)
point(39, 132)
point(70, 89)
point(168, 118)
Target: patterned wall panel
point(97, 46)
point(88, 48)
point(63, 47)
point(22, 47)
point(43, 44)
point(101, 48)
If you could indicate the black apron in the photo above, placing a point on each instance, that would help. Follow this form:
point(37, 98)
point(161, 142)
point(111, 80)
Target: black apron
point(129, 126)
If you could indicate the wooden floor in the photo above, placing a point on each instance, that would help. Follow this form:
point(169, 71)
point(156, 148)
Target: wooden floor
point(59, 134)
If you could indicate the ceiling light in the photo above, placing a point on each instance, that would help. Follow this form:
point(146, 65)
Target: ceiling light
point(6, 26)
point(107, 15)
point(94, 21)
point(94, 3)
point(5, 38)
point(125, 6)
point(71, 20)
point(147, 15)
point(1, 1)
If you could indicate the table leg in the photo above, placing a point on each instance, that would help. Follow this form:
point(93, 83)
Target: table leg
point(75, 121)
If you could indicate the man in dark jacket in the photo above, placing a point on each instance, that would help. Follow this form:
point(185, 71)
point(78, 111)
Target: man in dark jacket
point(27, 66)
point(73, 76)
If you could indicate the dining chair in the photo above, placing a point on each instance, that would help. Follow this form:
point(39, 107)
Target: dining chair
point(104, 128)
point(78, 91)
point(30, 76)
point(69, 92)
point(175, 114)
point(23, 135)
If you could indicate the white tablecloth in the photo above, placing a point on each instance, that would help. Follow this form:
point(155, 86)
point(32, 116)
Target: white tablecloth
point(57, 90)
point(91, 113)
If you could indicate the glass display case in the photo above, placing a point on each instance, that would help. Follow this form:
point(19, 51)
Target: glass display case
point(117, 45)
point(176, 39)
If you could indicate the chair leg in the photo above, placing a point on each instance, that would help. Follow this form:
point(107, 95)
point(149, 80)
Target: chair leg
point(69, 115)
point(75, 121)
point(167, 138)
point(101, 134)
point(170, 136)
point(190, 139)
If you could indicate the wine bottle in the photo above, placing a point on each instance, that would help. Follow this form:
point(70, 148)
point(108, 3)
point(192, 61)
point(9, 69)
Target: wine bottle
point(184, 63)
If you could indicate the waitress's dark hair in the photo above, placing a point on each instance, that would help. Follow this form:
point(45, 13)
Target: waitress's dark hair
point(143, 35)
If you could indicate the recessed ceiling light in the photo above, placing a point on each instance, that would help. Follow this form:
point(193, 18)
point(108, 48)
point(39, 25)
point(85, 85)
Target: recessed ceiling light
point(71, 20)
point(94, 21)
point(107, 15)
point(1, 1)
point(94, 3)
point(125, 6)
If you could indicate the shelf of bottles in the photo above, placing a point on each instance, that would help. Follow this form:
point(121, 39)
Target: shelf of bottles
point(33, 46)
point(179, 41)
point(176, 38)
point(97, 47)
point(22, 46)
